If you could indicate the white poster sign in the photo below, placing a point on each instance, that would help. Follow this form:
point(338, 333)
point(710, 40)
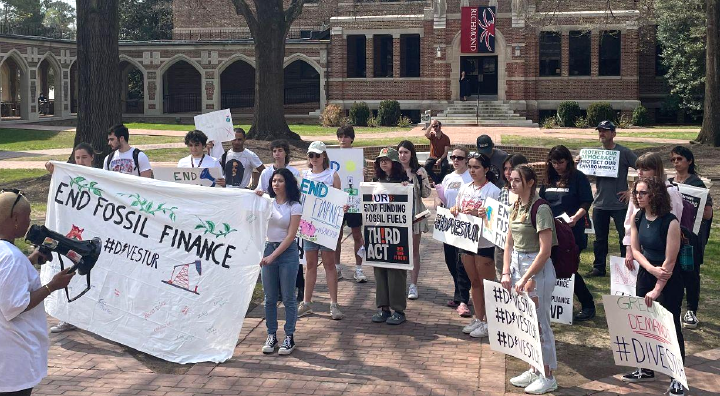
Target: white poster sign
point(218, 127)
point(387, 224)
point(561, 305)
point(599, 162)
point(195, 176)
point(622, 280)
point(350, 166)
point(497, 224)
point(513, 324)
point(462, 231)
point(642, 336)
point(697, 196)
point(323, 211)
point(178, 264)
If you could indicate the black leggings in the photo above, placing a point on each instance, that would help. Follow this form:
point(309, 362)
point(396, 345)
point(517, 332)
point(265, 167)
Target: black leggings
point(457, 270)
point(25, 392)
point(670, 298)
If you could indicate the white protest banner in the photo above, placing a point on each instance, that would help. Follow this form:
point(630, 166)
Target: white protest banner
point(218, 127)
point(323, 211)
point(622, 280)
point(196, 176)
point(349, 164)
point(178, 264)
point(462, 231)
point(561, 304)
point(497, 224)
point(697, 196)
point(599, 162)
point(387, 224)
point(513, 324)
point(642, 336)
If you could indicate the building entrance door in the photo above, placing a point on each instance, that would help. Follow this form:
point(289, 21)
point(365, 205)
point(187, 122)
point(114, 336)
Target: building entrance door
point(482, 74)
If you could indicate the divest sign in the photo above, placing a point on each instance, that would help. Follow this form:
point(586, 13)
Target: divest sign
point(477, 30)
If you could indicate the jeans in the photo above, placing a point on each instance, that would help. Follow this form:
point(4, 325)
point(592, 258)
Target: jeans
point(444, 169)
point(601, 218)
point(458, 273)
point(279, 277)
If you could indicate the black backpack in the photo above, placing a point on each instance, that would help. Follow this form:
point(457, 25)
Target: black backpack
point(136, 158)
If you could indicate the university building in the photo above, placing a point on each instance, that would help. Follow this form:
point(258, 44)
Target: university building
point(520, 61)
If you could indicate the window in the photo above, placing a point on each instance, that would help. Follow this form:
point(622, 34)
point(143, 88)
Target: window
point(660, 68)
point(410, 55)
point(356, 57)
point(383, 55)
point(610, 53)
point(579, 60)
point(550, 53)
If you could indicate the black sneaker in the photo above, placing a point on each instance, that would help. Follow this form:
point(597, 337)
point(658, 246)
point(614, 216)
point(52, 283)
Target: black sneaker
point(381, 316)
point(675, 388)
point(585, 314)
point(689, 320)
point(639, 375)
point(287, 346)
point(396, 318)
point(595, 272)
point(270, 344)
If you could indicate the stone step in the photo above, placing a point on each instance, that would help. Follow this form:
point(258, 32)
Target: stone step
point(473, 112)
point(518, 122)
point(488, 115)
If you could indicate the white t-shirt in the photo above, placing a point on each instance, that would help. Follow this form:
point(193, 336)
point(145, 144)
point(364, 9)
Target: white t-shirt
point(470, 197)
point(24, 338)
point(327, 176)
point(124, 162)
point(264, 184)
point(280, 220)
point(239, 168)
point(451, 185)
point(205, 161)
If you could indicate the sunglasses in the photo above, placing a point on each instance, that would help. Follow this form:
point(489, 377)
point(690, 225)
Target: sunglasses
point(314, 155)
point(16, 192)
point(640, 193)
point(457, 157)
point(676, 159)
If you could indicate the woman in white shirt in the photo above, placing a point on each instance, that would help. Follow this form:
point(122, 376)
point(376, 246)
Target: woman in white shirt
point(196, 141)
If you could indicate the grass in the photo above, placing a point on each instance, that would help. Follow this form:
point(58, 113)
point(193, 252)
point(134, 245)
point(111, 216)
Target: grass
point(392, 141)
point(300, 129)
point(572, 144)
point(680, 135)
point(11, 175)
point(29, 139)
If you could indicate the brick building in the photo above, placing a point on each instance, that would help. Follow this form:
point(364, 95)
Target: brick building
point(343, 51)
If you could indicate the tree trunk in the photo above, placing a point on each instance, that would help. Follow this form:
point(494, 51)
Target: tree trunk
point(98, 73)
point(710, 131)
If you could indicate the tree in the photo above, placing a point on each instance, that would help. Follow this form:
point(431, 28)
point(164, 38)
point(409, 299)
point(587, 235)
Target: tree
point(146, 20)
point(269, 24)
point(59, 16)
point(710, 131)
point(98, 73)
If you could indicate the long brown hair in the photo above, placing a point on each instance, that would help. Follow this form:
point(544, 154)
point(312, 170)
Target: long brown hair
point(651, 161)
point(559, 153)
point(527, 174)
point(658, 196)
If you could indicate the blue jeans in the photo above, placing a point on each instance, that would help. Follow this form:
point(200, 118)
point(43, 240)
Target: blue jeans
point(279, 276)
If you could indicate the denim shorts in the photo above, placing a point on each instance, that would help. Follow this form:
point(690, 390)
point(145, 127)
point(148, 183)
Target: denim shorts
point(312, 246)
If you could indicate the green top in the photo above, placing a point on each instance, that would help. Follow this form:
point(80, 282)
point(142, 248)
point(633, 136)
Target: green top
point(525, 237)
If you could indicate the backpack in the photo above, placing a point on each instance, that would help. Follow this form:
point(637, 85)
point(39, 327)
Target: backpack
point(566, 255)
point(688, 238)
point(136, 158)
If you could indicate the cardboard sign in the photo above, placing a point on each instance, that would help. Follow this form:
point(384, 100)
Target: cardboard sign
point(497, 224)
point(513, 324)
point(323, 212)
point(561, 305)
point(642, 336)
point(218, 127)
point(697, 196)
point(599, 162)
point(387, 224)
point(462, 231)
point(178, 264)
point(622, 280)
point(349, 164)
point(195, 176)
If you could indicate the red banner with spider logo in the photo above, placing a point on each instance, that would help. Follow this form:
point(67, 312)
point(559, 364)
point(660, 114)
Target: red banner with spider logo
point(477, 30)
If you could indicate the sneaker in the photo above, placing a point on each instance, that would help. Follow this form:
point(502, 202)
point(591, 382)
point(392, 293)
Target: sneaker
point(270, 344)
point(381, 316)
point(339, 272)
point(675, 388)
point(480, 331)
point(359, 275)
point(690, 321)
point(541, 385)
point(413, 292)
point(525, 379)
point(62, 326)
point(472, 326)
point(287, 346)
point(335, 312)
point(639, 375)
point(396, 318)
point(452, 304)
point(463, 311)
point(585, 314)
point(304, 308)
point(595, 273)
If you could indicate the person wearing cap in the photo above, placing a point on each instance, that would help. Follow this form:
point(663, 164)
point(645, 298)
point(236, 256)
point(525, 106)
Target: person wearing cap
point(390, 282)
point(439, 146)
point(320, 172)
point(497, 157)
point(611, 199)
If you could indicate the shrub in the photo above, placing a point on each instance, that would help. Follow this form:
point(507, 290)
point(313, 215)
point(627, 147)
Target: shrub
point(359, 114)
point(600, 111)
point(404, 122)
point(640, 116)
point(624, 122)
point(567, 112)
point(373, 122)
point(389, 112)
point(581, 122)
point(332, 116)
point(549, 122)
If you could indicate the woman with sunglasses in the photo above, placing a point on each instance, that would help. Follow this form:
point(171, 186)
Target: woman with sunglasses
point(451, 186)
point(24, 340)
point(655, 234)
point(479, 263)
point(421, 189)
point(506, 199)
point(320, 172)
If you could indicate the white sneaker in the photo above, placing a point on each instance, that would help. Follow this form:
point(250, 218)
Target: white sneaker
point(480, 331)
point(472, 326)
point(525, 379)
point(304, 309)
point(542, 385)
point(359, 275)
point(413, 292)
point(62, 326)
point(339, 273)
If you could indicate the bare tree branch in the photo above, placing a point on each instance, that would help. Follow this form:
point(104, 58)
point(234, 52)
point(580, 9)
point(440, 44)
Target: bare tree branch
point(292, 13)
point(242, 8)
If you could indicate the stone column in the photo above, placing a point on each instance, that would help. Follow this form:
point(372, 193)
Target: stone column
point(594, 53)
point(564, 54)
point(396, 56)
point(369, 56)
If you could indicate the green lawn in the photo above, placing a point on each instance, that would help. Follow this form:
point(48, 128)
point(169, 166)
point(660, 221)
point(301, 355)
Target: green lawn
point(11, 175)
point(680, 135)
point(28, 139)
point(572, 144)
point(392, 141)
point(301, 129)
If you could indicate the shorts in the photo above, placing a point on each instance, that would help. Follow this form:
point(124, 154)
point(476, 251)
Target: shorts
point(353, 220)
point(482, 252)
point(312, 247)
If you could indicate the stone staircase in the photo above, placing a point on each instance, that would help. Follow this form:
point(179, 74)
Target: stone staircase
point(490, 113)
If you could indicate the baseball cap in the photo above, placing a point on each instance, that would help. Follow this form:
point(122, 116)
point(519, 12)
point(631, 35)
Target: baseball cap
point(389, 153)
point(607, 125)
point(317, 147)
point(485, 145)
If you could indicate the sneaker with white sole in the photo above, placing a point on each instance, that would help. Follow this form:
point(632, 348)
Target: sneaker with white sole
point(339, 273)
point(287, 346)
point(689, 320)
point(472, 326)
point(542, 385)
point(270, 344)
point(335, 312)
point(413, 292)
point(359, 275)
point(675, 388)
point(304, 308)
point(481, 331)
point(62, 326)
point(639, 375)
point(525, 379)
